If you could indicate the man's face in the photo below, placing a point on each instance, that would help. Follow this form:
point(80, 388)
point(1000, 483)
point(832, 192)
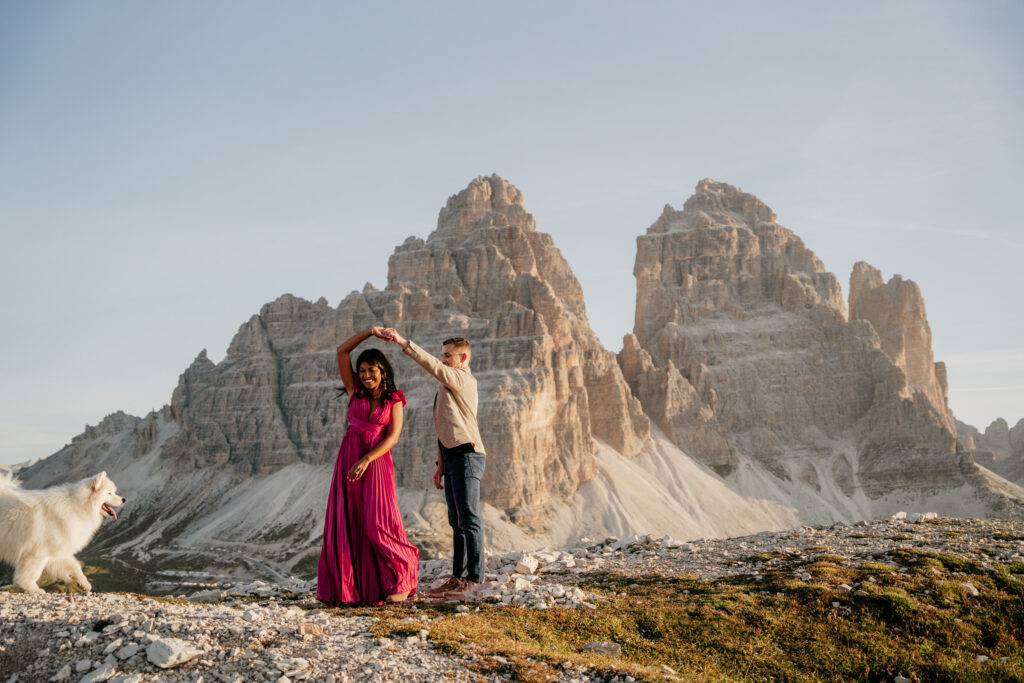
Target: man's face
point(451, 357)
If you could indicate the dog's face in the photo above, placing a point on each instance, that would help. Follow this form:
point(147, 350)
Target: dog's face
point(104, 495)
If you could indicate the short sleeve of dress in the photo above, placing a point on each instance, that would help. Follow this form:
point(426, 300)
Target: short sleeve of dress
point(398, 395)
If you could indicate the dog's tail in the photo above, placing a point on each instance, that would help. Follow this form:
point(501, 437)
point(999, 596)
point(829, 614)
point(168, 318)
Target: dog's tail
point(7, 480)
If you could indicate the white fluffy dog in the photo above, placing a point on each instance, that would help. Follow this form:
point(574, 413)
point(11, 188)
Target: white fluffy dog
point(42, 530)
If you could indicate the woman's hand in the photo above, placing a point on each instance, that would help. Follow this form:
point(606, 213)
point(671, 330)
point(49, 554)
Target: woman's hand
point(380, 332)
point(358, 470)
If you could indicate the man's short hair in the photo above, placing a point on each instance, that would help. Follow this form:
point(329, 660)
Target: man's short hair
point(460, 343)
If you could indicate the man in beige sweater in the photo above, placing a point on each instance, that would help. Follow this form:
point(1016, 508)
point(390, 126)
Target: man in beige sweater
point(460, 456)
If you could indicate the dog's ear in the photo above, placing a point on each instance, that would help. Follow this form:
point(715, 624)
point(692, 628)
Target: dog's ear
point(97, 482)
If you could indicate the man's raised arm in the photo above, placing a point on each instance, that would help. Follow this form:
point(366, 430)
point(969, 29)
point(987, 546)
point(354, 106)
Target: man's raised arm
point(450, 377)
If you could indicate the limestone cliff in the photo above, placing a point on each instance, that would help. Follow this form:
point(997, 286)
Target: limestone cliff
point(741, 348)
point(896, 311)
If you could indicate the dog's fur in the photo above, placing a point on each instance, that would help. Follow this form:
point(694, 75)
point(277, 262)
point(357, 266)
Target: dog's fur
point(42, 530)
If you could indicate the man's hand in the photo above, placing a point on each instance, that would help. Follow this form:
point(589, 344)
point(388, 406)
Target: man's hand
point(437, 477)
point(379, 333)
point(392, 334)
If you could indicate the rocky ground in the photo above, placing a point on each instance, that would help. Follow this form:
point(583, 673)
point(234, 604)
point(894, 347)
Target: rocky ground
point(264, 632)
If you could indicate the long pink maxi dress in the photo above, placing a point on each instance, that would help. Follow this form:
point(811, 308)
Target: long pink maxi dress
point(366, 555)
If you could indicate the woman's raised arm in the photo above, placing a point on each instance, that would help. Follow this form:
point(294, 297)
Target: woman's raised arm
point(345, 351)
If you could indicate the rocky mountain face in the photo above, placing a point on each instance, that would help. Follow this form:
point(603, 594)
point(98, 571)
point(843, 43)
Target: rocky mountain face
point(742, 349)
point(999, 448)
point(896, 312)
point(745, 399)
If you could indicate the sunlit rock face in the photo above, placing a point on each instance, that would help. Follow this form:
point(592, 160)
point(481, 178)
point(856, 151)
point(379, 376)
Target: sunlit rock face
point(271, 402)
point(896, 311)
point(741, 346)
point(547, 386)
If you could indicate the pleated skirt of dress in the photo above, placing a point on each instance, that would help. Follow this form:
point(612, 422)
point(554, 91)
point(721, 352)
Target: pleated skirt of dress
point(366, 554)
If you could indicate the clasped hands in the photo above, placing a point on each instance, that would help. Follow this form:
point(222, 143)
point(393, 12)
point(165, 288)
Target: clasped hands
point(388, 334)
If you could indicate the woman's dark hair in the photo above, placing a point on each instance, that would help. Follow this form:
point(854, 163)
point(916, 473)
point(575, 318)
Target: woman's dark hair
point(387, 375)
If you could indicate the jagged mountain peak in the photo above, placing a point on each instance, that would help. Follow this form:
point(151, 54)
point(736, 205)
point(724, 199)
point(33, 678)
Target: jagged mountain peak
point(866, 277)
point(485, 250)
point(715, 204)
point(725, 255)
point(486, 201)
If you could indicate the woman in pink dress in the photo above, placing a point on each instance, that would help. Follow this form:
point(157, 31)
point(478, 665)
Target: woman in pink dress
point(366, 557)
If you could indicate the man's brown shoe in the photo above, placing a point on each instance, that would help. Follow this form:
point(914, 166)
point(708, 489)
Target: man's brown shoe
point(462, 593)
point(451, 584)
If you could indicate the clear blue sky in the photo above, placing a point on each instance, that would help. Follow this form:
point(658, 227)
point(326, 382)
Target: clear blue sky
point(167, 168)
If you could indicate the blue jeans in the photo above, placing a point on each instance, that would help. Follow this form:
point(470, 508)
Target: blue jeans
point(462, 475)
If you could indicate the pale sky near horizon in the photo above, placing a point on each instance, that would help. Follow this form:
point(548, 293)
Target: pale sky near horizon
point(168, 168)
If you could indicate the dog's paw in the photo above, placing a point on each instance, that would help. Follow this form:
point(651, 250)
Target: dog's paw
point(34, 590)
point(84, 585)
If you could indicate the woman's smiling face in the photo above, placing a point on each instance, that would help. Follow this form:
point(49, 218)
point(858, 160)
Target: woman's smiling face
point(370, 376)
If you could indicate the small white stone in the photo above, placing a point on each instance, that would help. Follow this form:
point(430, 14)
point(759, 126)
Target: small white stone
point(63, 675)
point(527, 565)
point(87, 639)
point(970, 588)
point(922, 516)
point(169, 652)
point(104, 673)
point(518, 584)
point(980, 659)
point(128, 651)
